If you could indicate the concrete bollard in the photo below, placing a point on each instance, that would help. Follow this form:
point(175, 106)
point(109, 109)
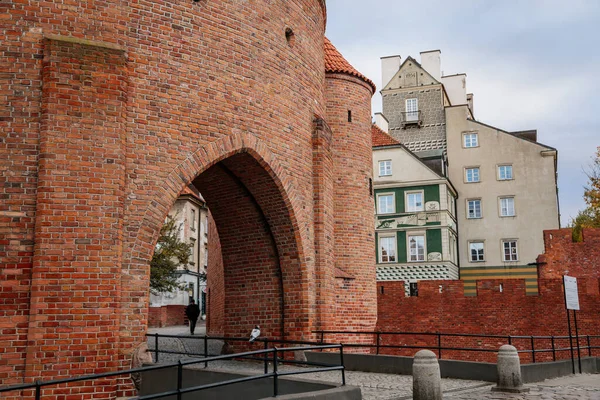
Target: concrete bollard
point(427, 381)
point(509, 371)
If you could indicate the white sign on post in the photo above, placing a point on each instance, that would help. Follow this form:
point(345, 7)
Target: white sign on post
point(571, 294)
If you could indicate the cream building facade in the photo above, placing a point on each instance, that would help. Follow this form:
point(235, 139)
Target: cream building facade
point(415, 216)
point(191, 216)
point(506, 181)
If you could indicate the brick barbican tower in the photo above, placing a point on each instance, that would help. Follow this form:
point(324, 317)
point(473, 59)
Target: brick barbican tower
point(110, 109)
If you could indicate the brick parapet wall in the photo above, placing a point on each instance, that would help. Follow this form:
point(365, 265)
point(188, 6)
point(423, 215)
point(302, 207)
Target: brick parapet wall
point(562, 256)
point(501, 307)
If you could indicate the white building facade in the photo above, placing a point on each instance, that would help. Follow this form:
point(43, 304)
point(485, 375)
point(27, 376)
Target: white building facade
point(506, 181)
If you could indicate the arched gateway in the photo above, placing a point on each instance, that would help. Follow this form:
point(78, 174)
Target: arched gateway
point(113, 108)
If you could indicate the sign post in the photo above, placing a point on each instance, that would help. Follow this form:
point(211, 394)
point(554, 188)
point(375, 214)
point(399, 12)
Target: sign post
point(572, 303)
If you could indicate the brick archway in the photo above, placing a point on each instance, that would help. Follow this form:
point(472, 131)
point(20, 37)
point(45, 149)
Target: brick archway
point(249, 195)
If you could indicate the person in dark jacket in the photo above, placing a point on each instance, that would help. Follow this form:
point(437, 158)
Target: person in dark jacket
point(192, 311)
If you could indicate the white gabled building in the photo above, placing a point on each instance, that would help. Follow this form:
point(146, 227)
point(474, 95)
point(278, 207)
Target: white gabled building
point(506, 181)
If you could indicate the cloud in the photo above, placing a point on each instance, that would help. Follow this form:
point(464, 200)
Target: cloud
point(530, 64)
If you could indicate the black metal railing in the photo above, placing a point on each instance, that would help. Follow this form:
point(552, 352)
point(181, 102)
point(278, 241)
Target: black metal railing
point(268, 355)
point(527, 344)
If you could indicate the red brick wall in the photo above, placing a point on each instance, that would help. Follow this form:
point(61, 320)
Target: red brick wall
point(510, 312)
point(215, 293)
point(564, 257)
point(119, 126)
point(356, 307)
point(171, 315)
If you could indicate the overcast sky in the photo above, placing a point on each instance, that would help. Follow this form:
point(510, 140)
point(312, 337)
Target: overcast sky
point(530, 64)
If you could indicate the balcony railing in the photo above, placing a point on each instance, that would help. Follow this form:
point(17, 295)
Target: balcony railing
point(411, 118)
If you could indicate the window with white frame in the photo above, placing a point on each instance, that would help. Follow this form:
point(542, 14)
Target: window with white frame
point(507, 206)
point(472, 174)
point(474, 208)
point(505, 172)
point(510, 252)
point(470, 140)
point(414, 201)
point(476, 252)
point(412, 109)
point(387, 249)
point(385, 203)
point(416, 248)
point(385, 168)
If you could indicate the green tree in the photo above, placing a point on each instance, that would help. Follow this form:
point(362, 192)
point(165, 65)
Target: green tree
point(590, 216)
point(169, 254)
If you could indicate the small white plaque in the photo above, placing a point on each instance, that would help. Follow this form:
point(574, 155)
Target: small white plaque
point(571, 294)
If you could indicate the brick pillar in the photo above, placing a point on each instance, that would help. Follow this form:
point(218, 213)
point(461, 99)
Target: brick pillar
point(324, 230)
point(75, 290)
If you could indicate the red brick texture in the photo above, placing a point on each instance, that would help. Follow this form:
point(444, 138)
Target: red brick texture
point(110, 109)
point(501, 307)
point(491, 312)
point(564, 257)
point(170, 315)
point(349, 116)
point(215, 285)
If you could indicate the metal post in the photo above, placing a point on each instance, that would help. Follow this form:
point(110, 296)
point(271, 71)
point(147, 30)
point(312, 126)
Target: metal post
point(179, 378)
point(38, 390)
point(156, 347)
point(571, 341)
point(577, 340)
point(266, 357)
point(439, 344)
point(510, 340)
point(322, 339)
point(378, 336)
point(553, 349)
point(589, 346)
point(343, 366)
point(275, 382)
point(532, 350)
point(205, 350)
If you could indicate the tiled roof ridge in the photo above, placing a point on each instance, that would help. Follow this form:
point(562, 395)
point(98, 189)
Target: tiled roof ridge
point(335, 62)
point(381, 138)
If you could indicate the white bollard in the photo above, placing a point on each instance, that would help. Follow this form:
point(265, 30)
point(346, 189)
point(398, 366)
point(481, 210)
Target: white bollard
point(427, 381)
point(509, 371)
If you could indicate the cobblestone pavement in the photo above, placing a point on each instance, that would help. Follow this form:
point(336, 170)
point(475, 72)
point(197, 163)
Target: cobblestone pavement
point(373, 386)
point(574, 387)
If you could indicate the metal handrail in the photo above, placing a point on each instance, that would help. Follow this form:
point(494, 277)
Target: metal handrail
point(440, 335)
point(39, 385)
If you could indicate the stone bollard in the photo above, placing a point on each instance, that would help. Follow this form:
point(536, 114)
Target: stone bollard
point(509, 371)
point(427, 382)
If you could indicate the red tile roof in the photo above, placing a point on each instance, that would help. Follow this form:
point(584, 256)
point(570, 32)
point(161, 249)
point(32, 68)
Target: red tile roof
point(380, 138)
point(335, 62)
point(191, 191)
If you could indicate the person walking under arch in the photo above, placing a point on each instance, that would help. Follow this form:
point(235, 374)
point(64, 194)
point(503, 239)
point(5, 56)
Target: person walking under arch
point(192, 311)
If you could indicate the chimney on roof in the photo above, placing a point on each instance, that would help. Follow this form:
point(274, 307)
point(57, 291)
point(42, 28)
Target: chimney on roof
point(389, 66)
point(382, 122)
point(431, 61)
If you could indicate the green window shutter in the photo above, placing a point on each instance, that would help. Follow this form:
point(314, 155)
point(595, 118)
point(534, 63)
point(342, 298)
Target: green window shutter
point(432, 193)
point(401, 245)
point(434, 241)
